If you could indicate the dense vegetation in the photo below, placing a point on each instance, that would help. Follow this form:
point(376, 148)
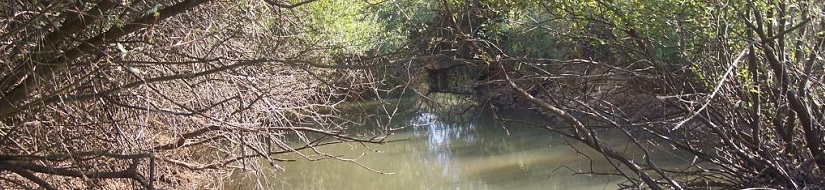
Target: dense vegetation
point(169, 94)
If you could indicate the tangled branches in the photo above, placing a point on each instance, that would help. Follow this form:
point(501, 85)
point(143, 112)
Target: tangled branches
point(736, 94)
point(157, 94)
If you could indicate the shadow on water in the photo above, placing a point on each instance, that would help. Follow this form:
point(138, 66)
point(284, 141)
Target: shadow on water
point(445, 150)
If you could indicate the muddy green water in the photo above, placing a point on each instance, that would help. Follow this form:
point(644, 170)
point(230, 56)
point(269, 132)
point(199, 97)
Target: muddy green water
point(469, 150)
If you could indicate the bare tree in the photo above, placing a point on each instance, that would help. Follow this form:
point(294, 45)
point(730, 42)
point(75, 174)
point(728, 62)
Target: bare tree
point(158, 94)
point(746, 112)
point(735, 89)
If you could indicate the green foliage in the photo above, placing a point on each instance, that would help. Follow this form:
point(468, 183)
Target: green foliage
point(405, 20)
point(346, 26)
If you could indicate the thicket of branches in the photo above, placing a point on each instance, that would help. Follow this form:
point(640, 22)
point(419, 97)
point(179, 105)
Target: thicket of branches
point(168, 94)
point(733, 88)
point(160, 94)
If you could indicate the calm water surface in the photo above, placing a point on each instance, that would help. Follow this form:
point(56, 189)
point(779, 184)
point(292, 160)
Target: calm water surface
point(443, 151)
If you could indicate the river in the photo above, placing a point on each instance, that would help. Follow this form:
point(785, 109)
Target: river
point(469, 150)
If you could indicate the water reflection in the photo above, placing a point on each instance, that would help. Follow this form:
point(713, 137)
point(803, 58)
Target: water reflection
point(447, 153)
point(439, 137)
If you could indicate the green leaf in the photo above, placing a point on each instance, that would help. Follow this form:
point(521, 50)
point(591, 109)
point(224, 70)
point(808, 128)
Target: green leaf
point(154, 10)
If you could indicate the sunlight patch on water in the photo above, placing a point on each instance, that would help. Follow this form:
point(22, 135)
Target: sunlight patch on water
point(443, 152)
